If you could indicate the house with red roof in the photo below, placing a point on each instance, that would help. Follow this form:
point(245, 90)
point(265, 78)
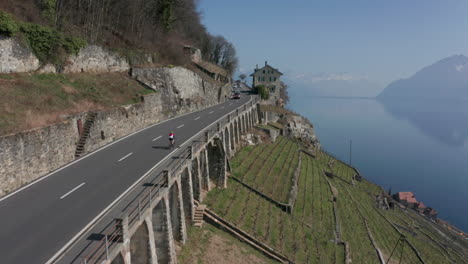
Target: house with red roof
point(407, 199)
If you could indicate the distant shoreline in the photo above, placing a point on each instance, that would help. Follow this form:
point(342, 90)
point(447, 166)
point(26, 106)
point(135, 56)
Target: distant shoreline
point(342, 97)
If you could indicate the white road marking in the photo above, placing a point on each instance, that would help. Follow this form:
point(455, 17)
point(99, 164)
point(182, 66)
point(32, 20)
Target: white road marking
point(126, 156)
point(230, 104)
point(211, 112)
point(222, 107)
point(157, 138)
point(74, 189)
point(180, 126)
point(197, 118)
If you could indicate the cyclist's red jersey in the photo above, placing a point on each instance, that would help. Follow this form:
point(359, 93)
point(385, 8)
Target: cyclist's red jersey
point(171, 135)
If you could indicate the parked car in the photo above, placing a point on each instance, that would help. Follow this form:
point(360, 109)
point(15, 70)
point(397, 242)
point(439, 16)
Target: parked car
point(236, 95)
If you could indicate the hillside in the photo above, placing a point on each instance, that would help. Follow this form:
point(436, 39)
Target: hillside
point(445, 79)
point(35, 100)
point(334, 217)
point(144, 31)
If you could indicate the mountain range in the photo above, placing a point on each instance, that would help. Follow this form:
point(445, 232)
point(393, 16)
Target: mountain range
point(445, 79)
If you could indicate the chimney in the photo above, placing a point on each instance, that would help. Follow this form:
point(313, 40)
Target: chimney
point(256, 67)
point(265, 63)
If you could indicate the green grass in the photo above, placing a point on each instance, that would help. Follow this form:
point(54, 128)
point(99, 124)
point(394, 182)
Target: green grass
point(32, 100)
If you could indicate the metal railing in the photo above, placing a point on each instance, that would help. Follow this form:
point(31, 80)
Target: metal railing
point(112, 235)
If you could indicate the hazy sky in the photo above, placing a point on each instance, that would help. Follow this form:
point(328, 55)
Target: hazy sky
point(381, 40)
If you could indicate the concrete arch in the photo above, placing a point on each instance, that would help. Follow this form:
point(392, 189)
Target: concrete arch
point(196, 179)
point(175, 211)
point(140, 247)
point(217, 163)
point(119, 259)
point(243, 124)
point(226, 141)
point(236, 132)
point(204, 174)
point(162, 229)
point(187, 195)
point(232, 141)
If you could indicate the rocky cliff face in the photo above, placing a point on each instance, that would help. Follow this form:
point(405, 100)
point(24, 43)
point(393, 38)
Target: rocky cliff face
point(181, 88)
point(94, 59)
point(16, 58)
point(301, 128)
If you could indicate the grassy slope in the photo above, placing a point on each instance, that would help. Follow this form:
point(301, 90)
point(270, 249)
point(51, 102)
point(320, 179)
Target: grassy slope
point(33, 100)
point(211, 245)
point(307, 235)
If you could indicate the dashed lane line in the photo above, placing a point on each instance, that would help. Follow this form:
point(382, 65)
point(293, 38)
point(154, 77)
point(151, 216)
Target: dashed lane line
point(74, 189)
point(197, 118)
point(126, 156)
point(157, 138)
point(211, 112)
point(180, 126)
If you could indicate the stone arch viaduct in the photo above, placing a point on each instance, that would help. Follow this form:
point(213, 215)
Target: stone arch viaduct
point(157, 219)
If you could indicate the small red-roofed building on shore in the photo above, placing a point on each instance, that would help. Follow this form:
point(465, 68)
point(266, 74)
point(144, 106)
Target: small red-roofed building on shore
point(430, 212)
point(421, 207)
point(407, 199)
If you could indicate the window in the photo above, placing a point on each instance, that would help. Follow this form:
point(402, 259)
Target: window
point(270, 78)
point(263, 71)
point(274, 79)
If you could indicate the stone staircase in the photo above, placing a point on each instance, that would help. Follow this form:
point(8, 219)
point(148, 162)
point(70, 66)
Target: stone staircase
point(198, 218)
point(84, 137)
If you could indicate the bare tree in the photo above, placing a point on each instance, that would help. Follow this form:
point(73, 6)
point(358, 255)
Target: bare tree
point(284, 93)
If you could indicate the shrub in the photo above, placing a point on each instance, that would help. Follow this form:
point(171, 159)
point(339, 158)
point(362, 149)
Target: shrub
point(48, 9)
point(262, 91)
point(42, 40)
point(8, 25)
point(72, 45)
point(49, 45)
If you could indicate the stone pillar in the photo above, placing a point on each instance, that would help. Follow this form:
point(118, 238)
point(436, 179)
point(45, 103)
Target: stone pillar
point(217, 163)
point(204, 170)
point(152, 244)
point(162, 229)
point(125, 252)
point(232, 140)
point(226, 141)
point(176, 209)
point(187, 194)
point(196, 179)
point(139, 246)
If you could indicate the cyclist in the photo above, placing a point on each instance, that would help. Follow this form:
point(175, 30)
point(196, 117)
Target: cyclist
point(171, 139)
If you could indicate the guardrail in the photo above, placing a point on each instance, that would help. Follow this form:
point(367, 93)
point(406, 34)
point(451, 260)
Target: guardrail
point(112, 235)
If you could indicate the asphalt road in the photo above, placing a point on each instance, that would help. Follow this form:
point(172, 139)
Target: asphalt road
point(39, 220)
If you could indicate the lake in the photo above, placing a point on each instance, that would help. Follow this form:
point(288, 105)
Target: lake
point(417, 146)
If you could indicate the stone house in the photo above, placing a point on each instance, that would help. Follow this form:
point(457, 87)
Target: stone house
point(270, 78)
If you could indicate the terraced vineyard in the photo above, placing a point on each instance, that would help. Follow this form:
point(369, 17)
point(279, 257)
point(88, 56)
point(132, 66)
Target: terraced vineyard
point(268, 168)
point(310, 234)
